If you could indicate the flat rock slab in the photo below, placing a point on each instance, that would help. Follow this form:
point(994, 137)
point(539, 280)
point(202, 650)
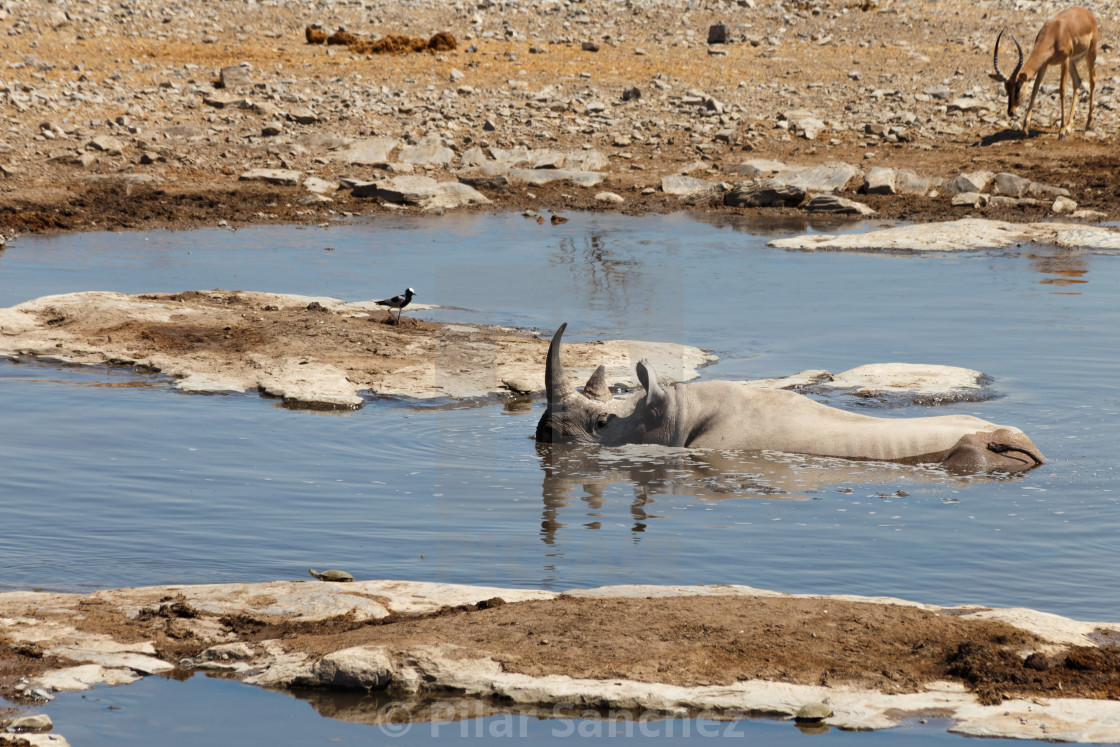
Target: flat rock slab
point(368, 152)
point(76, 679)
point(451, 195)
point(890, 384)
point(575, 177)
point(309, 601)
point(836, 205)
point(226, 101)
point(789, 185)
point(676, 184)
point(320, 186)
point(908, 377)
point(976, 181)
point(548, 159)
point(310, 351)
point(764, 192)
point(759, 167)
point(798, 380)
point(407, 190)
point(832, 176)
point(424, 192)
point(925, 381)
point(967, 234)
point(283, 177)
point(123, 180)
point(501, 161)
point(319, 141)
point(882, 180)
point(106, 144)
point(427, 152)
point(235, 78)
point(436, 646)
point(1074, 236)
point(45, 740)
point(911, 383)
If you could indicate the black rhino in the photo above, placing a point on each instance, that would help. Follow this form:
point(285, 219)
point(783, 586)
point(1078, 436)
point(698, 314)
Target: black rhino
point(727, 415)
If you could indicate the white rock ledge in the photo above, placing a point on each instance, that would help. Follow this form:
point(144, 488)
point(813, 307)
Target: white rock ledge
point(45, 619)
point(928, 380)
point(967, 234)
point(309, 351)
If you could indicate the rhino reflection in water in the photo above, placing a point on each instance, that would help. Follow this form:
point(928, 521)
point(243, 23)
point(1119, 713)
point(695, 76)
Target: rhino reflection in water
point(583, 476)
point(726, 415)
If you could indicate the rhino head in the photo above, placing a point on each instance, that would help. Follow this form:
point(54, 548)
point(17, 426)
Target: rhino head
point(594, 415)
point(572, 416)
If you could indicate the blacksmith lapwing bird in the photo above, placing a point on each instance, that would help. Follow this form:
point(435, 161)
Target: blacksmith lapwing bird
point(398, 302)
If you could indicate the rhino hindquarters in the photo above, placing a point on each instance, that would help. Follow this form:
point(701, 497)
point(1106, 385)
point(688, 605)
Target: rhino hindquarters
point(994, 451)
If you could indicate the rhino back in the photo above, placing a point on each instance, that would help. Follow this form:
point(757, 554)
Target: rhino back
point(727, 415)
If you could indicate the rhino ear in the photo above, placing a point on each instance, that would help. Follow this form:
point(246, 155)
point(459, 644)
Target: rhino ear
point(656, 396)
point(596, 387)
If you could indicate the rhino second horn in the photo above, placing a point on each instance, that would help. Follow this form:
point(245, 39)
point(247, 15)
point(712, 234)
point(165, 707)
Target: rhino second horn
point(596, 387)
point(556, 384)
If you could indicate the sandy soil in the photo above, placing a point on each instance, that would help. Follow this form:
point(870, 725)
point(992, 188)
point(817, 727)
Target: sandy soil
point(697, 640)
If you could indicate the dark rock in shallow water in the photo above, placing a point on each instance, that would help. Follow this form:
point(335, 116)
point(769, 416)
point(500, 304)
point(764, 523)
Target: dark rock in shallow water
point(764, 193)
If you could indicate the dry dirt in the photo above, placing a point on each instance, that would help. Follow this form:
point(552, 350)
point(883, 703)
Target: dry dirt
point(900, 47)
point(688, 641)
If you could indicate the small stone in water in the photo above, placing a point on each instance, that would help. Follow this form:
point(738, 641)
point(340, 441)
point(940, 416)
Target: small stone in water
point(814, 711)
point(331, 575)
point(38, 722)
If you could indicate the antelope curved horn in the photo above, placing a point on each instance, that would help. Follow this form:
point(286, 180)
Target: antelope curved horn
point(995, 57)
point(556, 384)
point(1019, 64)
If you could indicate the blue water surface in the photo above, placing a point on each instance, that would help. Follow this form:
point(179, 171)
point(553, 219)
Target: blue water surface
point(113, 478)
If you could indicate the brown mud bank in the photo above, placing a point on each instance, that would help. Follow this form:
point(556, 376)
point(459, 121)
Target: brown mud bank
point(118, 202)
point(677, 650)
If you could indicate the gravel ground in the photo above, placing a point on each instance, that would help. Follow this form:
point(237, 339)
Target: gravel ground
point(117, 115)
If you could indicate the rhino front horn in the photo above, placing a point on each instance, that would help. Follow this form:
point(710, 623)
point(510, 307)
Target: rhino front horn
point(556, 384)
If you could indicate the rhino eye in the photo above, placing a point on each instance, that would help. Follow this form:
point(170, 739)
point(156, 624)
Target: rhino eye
point(604, 419)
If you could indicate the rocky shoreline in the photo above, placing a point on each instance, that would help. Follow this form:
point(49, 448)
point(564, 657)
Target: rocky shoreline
point(228, 113)
point(1013, 673)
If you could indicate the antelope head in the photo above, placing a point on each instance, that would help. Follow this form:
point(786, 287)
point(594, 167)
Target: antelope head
point(1014, 83)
